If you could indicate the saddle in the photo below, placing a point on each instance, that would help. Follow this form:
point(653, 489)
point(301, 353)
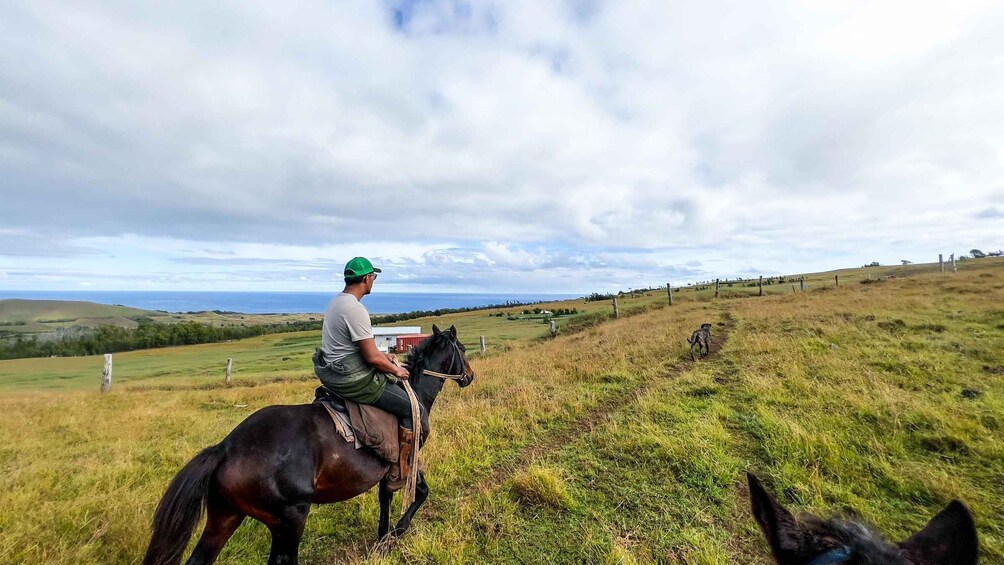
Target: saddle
point(368, 427)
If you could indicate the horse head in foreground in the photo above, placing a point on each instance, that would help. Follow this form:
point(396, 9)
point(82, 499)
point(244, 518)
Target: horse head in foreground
point(282, 459)
point(949, 538)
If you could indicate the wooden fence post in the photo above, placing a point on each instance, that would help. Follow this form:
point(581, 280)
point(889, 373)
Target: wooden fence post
point(718, 283)
point(481, 343)
point(230, 365)
point(669, 289)
point(836, 280)
point(617, 312)
point(941, 263)
point(106, 374)
point(554, 329)
point(761, 285)
point(954, 268)
point(801, 283)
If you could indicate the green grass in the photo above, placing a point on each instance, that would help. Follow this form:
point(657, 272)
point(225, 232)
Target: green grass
point(259, 357)
point(881, 399)
point(18, 316)
point(185, 365)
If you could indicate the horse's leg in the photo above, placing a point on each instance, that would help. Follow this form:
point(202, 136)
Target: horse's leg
point(421, 493)
point(386, 496)
point(221, 523)
point(286, 535)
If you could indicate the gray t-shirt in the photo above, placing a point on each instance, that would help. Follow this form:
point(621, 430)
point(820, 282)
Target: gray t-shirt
point(345, 322)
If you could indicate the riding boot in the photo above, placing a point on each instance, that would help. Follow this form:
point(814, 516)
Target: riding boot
point(406, 439)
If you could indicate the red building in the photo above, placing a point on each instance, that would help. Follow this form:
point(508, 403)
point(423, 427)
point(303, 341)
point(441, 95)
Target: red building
point(405, 342)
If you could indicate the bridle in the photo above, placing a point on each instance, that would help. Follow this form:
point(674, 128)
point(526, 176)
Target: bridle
point(457, 354)
point(832, 557)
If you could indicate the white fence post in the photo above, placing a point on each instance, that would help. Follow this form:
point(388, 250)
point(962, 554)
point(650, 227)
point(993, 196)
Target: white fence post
point(481, 342)
point(106, 374)
point(617, 313)
point(230, 365)
point(554, 329)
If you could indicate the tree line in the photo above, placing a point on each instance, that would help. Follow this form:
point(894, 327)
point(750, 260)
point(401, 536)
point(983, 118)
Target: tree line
point(391, 318)
point(148, 335)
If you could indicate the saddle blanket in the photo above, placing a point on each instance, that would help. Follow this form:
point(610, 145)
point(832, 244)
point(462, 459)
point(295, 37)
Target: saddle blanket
point(366, 426)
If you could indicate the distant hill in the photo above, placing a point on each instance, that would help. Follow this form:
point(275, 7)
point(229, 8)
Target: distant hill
point(21, 316)
point(29, 316)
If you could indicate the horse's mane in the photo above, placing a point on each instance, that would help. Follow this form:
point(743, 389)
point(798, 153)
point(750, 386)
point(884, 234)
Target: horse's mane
point(419, 356)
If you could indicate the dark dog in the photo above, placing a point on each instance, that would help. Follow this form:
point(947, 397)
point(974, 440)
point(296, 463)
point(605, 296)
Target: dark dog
point(700, 340)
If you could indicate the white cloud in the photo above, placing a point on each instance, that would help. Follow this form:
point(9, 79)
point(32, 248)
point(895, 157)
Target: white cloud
point(608, 140)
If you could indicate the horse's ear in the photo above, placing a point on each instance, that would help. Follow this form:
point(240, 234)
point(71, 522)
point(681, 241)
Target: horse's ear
point(950, 537)
point(453, 331)
point(435, 330)
point(778, 525)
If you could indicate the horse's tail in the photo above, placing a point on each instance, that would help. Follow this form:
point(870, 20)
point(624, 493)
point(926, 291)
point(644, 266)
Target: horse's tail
point(180, 509)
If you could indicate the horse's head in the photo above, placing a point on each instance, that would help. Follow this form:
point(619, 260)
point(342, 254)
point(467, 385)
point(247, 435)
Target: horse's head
point(950, 537)
point(439, 358)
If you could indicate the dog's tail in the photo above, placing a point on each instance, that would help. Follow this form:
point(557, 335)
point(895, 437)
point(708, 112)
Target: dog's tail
point(690, 340)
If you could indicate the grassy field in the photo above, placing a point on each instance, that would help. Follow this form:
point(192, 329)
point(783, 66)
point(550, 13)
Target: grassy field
point(604, 445)
point(37, 316)
point(269, 356)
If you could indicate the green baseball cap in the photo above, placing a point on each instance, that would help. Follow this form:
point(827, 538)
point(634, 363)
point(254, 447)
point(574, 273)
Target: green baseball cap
point(359, 267)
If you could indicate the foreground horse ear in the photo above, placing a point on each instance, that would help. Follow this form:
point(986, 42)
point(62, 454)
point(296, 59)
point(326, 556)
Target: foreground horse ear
point(778, 525)
point(435, 330)
point(950, 537)
point(453, 331)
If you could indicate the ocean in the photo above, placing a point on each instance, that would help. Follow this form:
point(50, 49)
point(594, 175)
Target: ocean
point(277, 302)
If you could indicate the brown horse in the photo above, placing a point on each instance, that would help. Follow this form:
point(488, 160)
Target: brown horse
point(948, 539)
point(282, 459)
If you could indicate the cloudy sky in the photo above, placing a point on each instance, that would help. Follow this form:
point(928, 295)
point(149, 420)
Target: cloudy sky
point(499, 146)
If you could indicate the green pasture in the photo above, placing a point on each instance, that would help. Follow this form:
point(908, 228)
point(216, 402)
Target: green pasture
point(253, 358)
point(266, 357)
point(19, 316)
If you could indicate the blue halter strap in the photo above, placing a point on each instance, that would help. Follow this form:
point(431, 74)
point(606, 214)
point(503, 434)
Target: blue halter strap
point(833, 556)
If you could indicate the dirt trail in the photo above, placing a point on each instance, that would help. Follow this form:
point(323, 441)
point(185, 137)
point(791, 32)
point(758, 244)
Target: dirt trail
point(553, 441)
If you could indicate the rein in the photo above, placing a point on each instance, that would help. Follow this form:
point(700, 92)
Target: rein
point(459, 377)
point(411, 483)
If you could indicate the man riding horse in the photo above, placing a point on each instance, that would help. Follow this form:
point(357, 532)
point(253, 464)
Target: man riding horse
point(348, 361)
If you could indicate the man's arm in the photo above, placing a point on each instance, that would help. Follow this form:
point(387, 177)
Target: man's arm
point(380, 361)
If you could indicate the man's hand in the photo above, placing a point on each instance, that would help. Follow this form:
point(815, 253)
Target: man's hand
point(384, 362)
point(402, 372)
